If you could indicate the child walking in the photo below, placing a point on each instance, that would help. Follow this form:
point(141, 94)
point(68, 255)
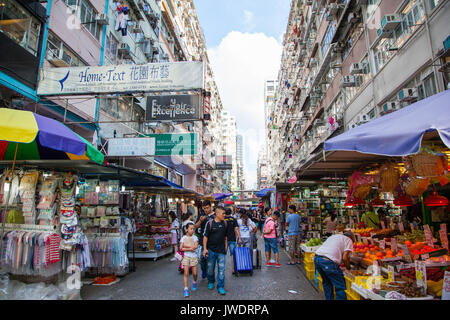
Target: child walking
point(189, 245)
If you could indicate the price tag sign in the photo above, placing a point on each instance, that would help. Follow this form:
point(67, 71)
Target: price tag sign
point(425, 256)
point(405, 249)
point(428, 235)
point(446, 286)
point(444, 227)
point(400, 227)
point(391, 273)
point(394, 244)
point(444, 238)
point(421, 274)
point(382, 244)
point(412, 227)
point(382, 225)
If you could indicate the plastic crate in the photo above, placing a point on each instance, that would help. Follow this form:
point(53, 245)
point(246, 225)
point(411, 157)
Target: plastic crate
point(309, 257)
point(308, 264)
point(348, 282)
point(352, 295)
point(310, 273)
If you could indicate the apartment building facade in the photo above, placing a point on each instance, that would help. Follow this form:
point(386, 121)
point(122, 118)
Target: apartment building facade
point(93, 33)
point(347, 62)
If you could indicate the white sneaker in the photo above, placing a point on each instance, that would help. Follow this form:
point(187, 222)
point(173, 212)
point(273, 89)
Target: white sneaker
point(173, 259)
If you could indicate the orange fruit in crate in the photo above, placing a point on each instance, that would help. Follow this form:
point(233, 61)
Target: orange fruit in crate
point(379, 254)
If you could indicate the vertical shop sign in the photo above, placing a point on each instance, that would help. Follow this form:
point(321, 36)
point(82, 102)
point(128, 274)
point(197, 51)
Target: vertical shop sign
point(446, 286)
point(428, 235)
point(421, 274)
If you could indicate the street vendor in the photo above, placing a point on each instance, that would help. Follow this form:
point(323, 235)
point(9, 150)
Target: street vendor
point(335, 250)
point(370, 219)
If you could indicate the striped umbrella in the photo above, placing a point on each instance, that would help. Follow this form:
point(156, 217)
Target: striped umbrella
point(25, 135)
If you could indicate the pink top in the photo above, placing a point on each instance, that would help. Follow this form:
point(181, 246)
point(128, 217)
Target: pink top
point(269, 225)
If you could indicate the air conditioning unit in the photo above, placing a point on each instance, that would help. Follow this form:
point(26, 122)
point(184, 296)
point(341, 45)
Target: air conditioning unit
point(383, 34)
point(356, 68)
point(391, 22)
point(407, 95)
point(101, 19)
point(124, 49)
point(348, 81)
point(388, 107)
point(361, 118)
point(333, 9)
point(353, 17)
point(63, 60)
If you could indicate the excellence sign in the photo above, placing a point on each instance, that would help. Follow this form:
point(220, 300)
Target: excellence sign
point(151, 77)
point(174, 108)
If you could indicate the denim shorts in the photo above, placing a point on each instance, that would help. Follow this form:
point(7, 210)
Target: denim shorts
point(231, 246)
point(271, 243)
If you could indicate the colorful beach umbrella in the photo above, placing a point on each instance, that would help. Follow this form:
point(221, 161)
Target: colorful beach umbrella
point(41, 138)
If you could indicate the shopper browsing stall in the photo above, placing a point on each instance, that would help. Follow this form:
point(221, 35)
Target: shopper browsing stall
point(335, 250)
point(189, 245)
point(330, 224)
point(293, 223)
point(270, 237)
point(215, 247)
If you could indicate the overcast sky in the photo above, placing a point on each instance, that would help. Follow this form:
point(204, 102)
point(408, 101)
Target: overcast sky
point(244, 38)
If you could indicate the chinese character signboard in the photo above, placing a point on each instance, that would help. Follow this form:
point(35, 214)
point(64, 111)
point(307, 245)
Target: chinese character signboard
point(152, 77)
point(134, 147)
point(175, 144)
point(224, 163)
point(173, 108)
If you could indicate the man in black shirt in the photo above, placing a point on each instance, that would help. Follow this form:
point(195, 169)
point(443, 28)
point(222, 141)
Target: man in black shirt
point(215, 247)
point(233, 234)
point(202, 219)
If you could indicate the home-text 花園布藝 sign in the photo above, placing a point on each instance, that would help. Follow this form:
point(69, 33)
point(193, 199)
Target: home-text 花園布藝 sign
point(173, 108)
point(151, 77)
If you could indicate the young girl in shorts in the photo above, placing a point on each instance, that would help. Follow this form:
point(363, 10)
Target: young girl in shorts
point(189, 245)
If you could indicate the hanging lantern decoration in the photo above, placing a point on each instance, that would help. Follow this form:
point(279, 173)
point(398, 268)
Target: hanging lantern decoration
point(349, 203)
point(359, 201)
point(436, 200)
point(377, 203)
point(403, 201)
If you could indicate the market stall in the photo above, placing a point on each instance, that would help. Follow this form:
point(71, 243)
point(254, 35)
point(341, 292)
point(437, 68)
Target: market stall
point(397, 259)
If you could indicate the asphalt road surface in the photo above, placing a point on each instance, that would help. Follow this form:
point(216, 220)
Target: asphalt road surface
point(160, 280)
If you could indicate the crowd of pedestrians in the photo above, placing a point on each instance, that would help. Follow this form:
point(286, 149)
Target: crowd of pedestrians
point(217, 232)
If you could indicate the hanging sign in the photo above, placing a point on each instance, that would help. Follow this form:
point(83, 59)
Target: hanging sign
point(421, 274)
point(391, 273)
point(428, 235)
point(382, 244)
point(394, 244)
point(400, 226)
point(446, 286)
point(173, 108)
point(136, 147)
point(151, 77)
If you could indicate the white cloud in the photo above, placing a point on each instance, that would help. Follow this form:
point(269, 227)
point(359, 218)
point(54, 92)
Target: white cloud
point(248, 20)
point(241, 63)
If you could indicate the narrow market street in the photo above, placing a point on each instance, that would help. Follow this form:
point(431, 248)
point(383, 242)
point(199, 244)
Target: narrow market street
point(160, 280)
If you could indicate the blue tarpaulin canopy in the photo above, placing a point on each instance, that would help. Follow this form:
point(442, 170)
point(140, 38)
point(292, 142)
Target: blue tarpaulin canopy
point(264, 192)
point(221, 196)
point(399, 133)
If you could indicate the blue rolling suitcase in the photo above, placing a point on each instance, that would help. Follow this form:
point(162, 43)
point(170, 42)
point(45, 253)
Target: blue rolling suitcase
point(242, 259)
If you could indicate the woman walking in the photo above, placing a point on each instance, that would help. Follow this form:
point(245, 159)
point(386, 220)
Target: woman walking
point(245, 227)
